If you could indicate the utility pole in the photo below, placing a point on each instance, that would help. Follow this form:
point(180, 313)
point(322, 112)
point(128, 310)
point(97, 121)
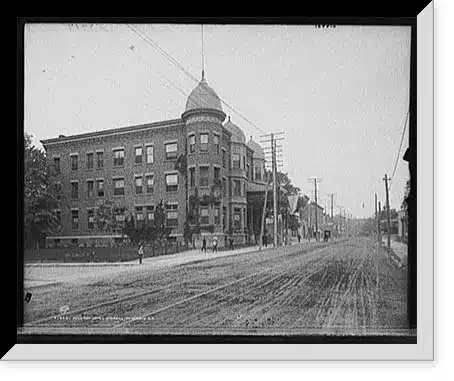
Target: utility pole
point(346, 222)
point(340, 221)
point(332, 195)
point(273, 144)
point(379, 222)
point(376, 216)
point(262, 226)
point(314, 179)
point(274, 147)
point(387, 209)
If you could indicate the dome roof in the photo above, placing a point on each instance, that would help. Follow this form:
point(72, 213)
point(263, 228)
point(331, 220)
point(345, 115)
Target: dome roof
point(202, 97)
point(257, 148)
point(237, 134)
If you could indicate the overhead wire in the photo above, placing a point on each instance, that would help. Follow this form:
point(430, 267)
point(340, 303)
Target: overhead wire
point(175, 62)
point(400, 145)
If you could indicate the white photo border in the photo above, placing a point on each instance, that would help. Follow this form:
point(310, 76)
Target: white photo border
point(422, 351)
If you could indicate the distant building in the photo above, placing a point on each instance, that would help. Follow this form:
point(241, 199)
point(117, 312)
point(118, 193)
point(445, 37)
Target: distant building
point(134, 167)
point(402, 227)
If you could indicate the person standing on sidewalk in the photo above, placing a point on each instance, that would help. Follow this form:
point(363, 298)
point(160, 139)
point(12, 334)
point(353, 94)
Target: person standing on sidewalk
point(140, 253)
point(204, 244)
point(215, 244)
point(231, 243)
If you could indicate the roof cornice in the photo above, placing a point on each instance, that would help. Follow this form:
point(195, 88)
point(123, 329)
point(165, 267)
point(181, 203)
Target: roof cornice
point(115, 131)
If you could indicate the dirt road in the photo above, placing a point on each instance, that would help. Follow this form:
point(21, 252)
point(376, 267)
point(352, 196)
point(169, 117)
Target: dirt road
point(347, 287)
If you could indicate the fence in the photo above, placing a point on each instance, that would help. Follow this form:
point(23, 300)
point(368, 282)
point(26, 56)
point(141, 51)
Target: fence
point(101, 254)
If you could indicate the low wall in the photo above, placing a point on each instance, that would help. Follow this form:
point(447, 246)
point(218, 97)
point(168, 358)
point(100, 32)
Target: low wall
point(99, 254)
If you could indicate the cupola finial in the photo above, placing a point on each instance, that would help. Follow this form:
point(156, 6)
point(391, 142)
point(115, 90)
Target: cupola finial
point(203, 58)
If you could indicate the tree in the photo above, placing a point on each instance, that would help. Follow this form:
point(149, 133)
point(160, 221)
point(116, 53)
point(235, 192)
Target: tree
point(130, 230)
point(162, 231)
point(293, 223)
point(41, 197)
point(106, 217)
point(285, 183)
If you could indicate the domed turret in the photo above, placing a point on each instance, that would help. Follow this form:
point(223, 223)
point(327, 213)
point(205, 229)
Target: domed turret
point(203, 97)
point(257, 148)
point(237, 134)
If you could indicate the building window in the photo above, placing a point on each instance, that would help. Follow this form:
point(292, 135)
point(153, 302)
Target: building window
point(100, 188)
point(236, 188)
point(224, 158)
point(150, 212)
point(216, 143)
point(204, 142)
point(244, 162)
point(119, 187)
point(74, 190)
point(57, 190)
point(58, 216)
point(171, 151)
point(192, 144)
point(172, 214)
point(204, 215)
point(224, 216)
point(91, 219)
point(150, 183)
point(236, 160)
point(172, 182)
point(120, 217)
point(217, 173)
point(74, 162)
point(100, 160)
point(258, 173)
point(74, 219)
point(139, 185)
point(90, 189)
point(139, 214)
point(217, 215)
point(237, 218)
point(192, 177)
point(119, 157)
point(204, 176)
point(90, 160)
point(248, 172)
point(224, 186)
point(138, 155)
point(150, 154)
point(57, 164)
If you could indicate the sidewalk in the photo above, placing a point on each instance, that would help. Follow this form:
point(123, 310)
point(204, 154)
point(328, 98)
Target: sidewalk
point(41, 274)
point(185, 256)
point(399, 248)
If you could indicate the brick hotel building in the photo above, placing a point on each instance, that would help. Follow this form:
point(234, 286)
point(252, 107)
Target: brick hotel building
point(134, 167)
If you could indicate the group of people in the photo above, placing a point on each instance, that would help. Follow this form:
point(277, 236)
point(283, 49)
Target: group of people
point(214, 244)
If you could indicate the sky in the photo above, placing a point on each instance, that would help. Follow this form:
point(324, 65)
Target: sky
point(340, 95)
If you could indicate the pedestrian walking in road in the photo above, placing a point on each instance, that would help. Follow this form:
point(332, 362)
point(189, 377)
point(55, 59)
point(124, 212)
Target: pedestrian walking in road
point(140, 253)
point(204, 245)
point(299, 238)
point(215, 244)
